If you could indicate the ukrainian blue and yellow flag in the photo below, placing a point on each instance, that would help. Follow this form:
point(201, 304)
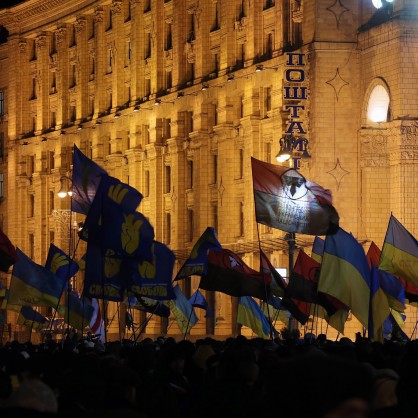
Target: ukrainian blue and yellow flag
point(400, 252)
point(318, 249)
point(78, 312)
point(379, 307)
point(345, 274)
point(197, 263)
point(34, 285)
point(182, 310)
point(5, 305)
point(251, 315)
point(60, 264)
point(31, 318)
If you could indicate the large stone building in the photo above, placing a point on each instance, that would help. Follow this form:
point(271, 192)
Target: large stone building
point(175, 96)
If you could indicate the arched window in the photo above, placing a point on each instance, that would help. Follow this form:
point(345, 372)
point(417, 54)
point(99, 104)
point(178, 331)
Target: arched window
point(378, 104)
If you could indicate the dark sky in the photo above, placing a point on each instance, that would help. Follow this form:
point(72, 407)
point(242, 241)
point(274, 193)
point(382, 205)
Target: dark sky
point(9, 3)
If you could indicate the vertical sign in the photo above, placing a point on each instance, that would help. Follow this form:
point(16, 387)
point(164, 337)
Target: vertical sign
point(294, 93)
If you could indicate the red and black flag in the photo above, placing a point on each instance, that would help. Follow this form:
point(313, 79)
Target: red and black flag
point(303, 282)
point(8, 255)
point(285, 200)
point(300, 310)
point(227, 273)
point(278, 285)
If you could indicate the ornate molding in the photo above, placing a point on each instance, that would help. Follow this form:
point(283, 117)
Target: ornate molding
point(40, 42)
point(22, 46)
point(60, 34)
point(98, 15)
point(374, 150)
point(80, 25)
point(116, 7)
point(190, 53)
point(297, 11)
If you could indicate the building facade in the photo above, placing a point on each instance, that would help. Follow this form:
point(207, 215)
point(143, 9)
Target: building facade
point(174, 97)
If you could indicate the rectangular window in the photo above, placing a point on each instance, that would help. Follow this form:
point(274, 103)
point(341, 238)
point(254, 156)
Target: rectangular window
point(53, 120)
point(215, 216)
point(73, 76)
point(169, 37)
point(268, 99)
point(146, 183)
point(190, 223)
point(167, 179)
point(148, 45)
point(241, 164)
point(51, 201)
point(215, 169)
point(92, 68)
point(190, 174)
point(1, 102)
point(33, 96)
point(128, 53)
point(167, 228)
point(1, 185)
point(241, 219)
point(51, 161)
point(31, 213)
point(166, 128)
point(168, 79)
point(1, 145)
point(73, 114)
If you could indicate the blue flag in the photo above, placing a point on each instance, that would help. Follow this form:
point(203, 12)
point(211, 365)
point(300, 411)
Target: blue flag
point(251, 315)
point(85, 181)
point(393, 289)
point(78, 312)
point(111, 190)
point(153, 278)
point(198, 301)
point(148, 305)
point(34, 285)
point(104, 276)
point(196, 264)
point(60, 264)
point(183, 311)
point(31, 318)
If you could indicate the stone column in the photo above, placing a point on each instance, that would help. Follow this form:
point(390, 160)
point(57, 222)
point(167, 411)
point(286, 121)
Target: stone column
point(83, 69)
point(42, 79)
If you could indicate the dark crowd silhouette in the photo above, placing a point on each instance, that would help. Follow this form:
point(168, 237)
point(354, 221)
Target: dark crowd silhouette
point(235, 378)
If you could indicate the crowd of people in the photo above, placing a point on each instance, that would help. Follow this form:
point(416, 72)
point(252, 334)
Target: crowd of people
point(235, 378)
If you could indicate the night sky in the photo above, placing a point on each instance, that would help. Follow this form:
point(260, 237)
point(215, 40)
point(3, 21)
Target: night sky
point(9, 3)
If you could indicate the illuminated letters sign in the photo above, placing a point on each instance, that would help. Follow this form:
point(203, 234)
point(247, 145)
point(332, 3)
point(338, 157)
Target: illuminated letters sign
point(294, 92)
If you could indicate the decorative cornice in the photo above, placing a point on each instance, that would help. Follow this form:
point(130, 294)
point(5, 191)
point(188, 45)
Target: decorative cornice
point(22, 46)
point(98, 15)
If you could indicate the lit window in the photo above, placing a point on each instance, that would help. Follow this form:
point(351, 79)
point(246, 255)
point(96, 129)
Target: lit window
point(378, 106)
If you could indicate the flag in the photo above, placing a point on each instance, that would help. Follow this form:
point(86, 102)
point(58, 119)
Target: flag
point(104, 275)
point(285, 200)
point(96, 322)
point(277, 285)
point(85, 181)
point(198, 301)
point(251, 315)
point(82, 263)
point(300, 310)
point(182, 310)
point(31, 318)
point(227, 273)
point(115, 197)
point(345, 274)
point(378, 308)
point(400, 252)
point(60, 264)
point(5, 305)
point(8, 255)
point(196, 264)
point(78, 312)
point(153, 278)
point(34, 285)
point(275, 311)
point(303, 281)
point(393, 287)
point(152, 306)
point(318, 249)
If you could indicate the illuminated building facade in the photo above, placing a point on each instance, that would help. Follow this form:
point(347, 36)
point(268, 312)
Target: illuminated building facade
point(174, 97)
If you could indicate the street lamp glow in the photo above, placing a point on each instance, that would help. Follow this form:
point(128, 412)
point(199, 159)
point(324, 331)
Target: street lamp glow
point(62, 193)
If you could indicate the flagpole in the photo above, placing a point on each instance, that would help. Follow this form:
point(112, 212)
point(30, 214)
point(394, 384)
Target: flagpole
point(291, 239)
point(313, 318)
point(265, 285)
point(191, 312)
point(144, 325)
point(130, 312)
